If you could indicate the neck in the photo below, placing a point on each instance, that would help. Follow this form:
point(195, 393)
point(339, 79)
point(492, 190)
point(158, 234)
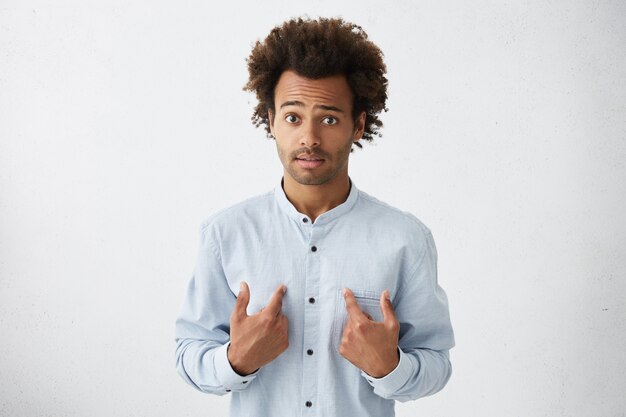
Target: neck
point(314, 200)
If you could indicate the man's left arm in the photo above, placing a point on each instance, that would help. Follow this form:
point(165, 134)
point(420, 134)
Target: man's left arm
point(425, 337)
point(406, 355)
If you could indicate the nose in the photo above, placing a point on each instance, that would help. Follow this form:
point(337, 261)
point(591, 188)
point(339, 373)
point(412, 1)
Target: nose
point(309, 135)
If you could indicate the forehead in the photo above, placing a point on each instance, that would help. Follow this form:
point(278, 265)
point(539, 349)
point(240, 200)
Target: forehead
point(329, 90)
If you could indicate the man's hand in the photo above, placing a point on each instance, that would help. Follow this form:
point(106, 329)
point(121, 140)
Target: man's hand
point(369, 345)
point(258, 339)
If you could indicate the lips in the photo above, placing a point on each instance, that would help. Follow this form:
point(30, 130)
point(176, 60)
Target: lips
point(310, 158)
point(309, 162)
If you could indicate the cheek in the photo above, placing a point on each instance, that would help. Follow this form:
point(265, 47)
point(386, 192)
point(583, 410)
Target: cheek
point(344, 149)
point(283, 154)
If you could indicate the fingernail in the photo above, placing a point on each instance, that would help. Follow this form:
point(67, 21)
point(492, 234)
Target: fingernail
point(284, 289)
point(387, 296)
point(241, 286)
point(345, 292)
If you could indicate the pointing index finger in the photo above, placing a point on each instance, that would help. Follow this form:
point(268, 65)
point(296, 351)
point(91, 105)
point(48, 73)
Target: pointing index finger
point(243, 298)
point(389, 315)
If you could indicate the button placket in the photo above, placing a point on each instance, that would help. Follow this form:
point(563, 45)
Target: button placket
point(311, 318)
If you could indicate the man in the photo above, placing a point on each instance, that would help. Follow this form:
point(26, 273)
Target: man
point(316, 298)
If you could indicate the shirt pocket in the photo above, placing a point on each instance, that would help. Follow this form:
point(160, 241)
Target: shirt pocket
point(368, 301)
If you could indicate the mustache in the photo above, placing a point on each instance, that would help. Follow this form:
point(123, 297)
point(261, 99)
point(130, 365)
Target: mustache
point(309, 152)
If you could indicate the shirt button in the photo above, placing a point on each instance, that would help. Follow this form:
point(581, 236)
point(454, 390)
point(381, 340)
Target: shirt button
point(227, 390)
point(309, 352)
point(308, 403)
point(305, 220)
point(312, 300)
point(313, 248)
point(244, 382)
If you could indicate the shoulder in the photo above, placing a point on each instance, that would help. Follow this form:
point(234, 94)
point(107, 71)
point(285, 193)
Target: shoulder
point(400, 228)
point(249, 210)
point(392, 217)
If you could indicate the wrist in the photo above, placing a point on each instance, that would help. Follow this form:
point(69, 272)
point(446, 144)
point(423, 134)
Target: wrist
point(236, 364)
point(387, 367)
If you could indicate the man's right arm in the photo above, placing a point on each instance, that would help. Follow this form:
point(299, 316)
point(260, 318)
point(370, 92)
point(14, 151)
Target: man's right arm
point(202, 330)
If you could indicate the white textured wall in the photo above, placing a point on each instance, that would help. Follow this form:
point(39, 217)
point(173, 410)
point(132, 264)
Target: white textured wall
point(123, 125)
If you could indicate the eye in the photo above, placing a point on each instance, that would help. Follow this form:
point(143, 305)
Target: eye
point(330, 120)
point(292, 118)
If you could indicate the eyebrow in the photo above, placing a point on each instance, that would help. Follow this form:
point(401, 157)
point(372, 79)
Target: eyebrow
point(320, 106)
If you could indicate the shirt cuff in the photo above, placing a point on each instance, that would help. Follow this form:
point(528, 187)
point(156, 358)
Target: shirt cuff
point(225, 373)
point(394, 380)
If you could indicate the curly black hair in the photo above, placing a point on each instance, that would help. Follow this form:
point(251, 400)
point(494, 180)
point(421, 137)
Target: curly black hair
point(317, 49)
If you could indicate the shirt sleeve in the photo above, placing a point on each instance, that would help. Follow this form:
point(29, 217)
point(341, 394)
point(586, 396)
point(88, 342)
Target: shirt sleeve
point(202, 330)
point(426, 334)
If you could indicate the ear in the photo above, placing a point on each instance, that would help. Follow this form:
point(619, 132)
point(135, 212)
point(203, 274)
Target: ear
point(359, 127)
point(270, 119)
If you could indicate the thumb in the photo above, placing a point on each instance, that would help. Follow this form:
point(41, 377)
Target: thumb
point(389, 315)
point(243, 298)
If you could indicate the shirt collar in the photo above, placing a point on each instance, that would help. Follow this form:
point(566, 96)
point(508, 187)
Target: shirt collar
point(289, 209)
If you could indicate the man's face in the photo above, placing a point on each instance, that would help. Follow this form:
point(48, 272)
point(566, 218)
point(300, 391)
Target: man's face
point(313, 126)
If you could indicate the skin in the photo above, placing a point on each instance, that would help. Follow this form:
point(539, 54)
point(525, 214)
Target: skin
point(314, 117)
point(258, 339)
point(313, 120)
point(369, 345)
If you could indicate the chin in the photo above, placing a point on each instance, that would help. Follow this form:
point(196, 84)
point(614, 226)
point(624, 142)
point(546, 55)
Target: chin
point(309, 179)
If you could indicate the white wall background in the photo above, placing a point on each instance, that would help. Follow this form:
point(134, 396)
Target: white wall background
point(123, 125)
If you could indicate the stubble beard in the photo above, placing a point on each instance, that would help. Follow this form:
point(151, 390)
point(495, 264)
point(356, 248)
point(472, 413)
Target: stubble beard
point(309, 177)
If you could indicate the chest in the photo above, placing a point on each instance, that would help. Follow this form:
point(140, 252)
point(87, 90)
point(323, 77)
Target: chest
point(313, 264)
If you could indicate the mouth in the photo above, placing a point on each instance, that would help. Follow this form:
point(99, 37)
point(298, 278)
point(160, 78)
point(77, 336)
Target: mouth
point(309, 161)
point(310, 158)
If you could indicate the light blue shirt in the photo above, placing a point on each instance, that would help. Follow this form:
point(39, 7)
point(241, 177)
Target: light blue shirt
point(363, 244)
